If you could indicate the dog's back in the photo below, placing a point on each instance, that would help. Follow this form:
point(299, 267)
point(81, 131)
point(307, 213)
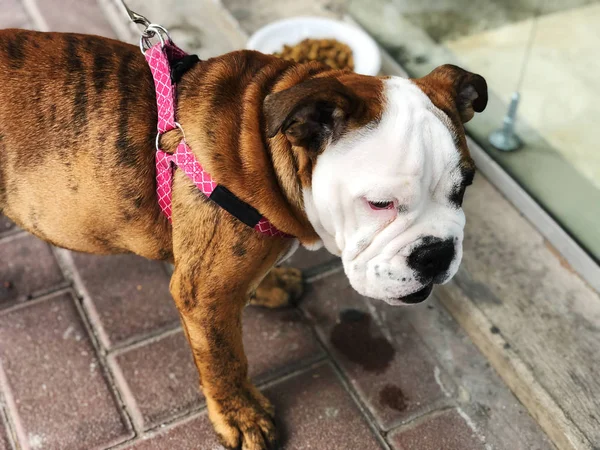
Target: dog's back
point(77, 131)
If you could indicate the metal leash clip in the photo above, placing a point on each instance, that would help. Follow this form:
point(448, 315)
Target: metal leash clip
point(150, 30)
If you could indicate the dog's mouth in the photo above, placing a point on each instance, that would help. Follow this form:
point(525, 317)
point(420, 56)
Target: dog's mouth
point(416, 297)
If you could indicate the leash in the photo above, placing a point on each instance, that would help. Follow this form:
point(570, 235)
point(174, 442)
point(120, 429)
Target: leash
point(168, 63)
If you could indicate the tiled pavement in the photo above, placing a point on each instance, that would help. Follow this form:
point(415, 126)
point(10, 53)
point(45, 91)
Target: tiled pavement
point(92, 355)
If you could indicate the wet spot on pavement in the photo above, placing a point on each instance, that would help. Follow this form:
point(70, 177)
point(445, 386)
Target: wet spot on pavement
point(352, 337)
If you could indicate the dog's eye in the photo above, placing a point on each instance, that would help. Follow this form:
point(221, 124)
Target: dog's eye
point(457, 195)
point(381, 205)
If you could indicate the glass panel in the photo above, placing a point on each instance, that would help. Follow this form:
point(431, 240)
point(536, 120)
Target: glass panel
point(547, 51)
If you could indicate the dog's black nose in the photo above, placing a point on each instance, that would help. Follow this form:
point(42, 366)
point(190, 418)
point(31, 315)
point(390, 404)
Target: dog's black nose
point(431, 259)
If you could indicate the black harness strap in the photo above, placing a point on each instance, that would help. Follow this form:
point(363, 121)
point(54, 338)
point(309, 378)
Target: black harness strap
point(181, 66)
point(221, 195)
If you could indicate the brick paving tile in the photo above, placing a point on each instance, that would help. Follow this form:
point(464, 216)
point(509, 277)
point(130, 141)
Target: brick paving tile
point(304, 259)
point(12, 15)
point(129, 294)
point(446, 430)
point(162, 377)
point(27, 266)
point(80, 16)
point(276, 341)
point(60, 398)
point(313, 412)
point(396, 380)
point(6, 226)
point(195, 433)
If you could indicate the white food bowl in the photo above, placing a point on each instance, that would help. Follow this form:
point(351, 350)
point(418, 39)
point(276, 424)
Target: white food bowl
point(271, 38)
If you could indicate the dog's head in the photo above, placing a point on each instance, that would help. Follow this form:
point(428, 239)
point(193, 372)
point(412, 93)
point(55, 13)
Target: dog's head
point(384, 164)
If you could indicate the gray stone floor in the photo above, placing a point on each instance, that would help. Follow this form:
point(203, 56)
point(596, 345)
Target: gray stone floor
point(449, 19)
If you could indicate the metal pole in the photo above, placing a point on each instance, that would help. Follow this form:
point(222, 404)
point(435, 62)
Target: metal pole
point(505, 139)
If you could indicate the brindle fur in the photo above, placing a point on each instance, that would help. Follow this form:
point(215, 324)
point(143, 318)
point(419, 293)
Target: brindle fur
point(443, 86)
point(77, 131)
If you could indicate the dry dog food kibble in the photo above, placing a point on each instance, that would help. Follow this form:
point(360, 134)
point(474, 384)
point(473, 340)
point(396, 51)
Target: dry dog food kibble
point(329, 51)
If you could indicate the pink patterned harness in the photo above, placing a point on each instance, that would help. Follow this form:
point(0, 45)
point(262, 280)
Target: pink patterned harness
point(160, 58)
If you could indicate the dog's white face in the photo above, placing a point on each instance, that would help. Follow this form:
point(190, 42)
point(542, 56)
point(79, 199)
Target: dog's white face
point(386, 198)
point(383, 164)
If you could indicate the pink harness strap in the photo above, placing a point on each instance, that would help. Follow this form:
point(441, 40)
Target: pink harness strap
point(185, 160)
point(158, 58)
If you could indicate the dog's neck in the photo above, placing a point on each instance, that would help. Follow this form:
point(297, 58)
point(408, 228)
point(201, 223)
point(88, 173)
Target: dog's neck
point(220, 107)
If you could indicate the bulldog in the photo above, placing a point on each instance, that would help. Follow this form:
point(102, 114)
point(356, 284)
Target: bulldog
point(373, 168)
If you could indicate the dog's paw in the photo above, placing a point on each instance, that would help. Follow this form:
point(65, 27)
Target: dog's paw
point(282, 286)
point(290, 280)
point(244, 420)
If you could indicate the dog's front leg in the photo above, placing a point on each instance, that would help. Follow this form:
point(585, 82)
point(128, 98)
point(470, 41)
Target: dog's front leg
point(211, 315)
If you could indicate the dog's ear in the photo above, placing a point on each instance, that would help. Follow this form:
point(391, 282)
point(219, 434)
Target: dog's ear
point(311, 112)
point(468, 91)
